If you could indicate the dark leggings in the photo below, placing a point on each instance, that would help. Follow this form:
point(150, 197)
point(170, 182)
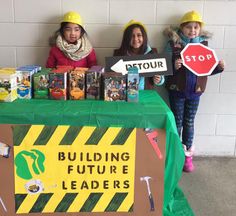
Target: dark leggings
point(185, 111)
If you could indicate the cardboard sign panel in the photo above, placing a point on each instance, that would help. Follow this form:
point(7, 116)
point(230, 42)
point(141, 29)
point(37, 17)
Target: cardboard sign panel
point(74, 169)
point(34, 201)
point(148, 65)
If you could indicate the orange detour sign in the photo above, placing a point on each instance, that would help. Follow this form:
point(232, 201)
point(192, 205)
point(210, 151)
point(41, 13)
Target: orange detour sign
point(199, 59)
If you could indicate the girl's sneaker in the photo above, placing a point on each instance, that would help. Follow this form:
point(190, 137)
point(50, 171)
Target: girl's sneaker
point(188, 164)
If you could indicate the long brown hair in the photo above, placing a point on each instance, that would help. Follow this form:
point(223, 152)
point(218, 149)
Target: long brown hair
point(127, 36)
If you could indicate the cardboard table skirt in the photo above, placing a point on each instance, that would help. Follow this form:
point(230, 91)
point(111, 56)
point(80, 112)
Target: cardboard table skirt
point(147, 163)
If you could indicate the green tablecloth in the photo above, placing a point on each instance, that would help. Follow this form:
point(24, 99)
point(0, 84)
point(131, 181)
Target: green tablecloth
point(150, 112)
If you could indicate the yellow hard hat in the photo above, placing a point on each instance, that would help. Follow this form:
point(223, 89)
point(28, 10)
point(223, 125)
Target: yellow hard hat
point(73, 17)
point(133, 22)
point(192, 16)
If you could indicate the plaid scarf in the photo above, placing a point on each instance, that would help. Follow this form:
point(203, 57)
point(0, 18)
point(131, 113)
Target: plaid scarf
point(75, 51)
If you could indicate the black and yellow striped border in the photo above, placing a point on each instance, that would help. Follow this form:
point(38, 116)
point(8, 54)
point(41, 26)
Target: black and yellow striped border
point(40, 202)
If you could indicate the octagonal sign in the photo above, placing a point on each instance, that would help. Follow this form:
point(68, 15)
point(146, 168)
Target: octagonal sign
point(199, 59)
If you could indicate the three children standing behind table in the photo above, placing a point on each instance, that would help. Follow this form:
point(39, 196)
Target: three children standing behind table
point(70, 46)
point(184, 87)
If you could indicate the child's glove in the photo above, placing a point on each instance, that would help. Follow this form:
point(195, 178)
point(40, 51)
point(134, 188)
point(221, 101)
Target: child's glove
point(158, 80)
point(222, 64)
point(178, 64)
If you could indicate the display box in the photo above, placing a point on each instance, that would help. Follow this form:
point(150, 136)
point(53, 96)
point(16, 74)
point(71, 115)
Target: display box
point(93, 82)
point(25, 81)
point(132, 84)
point(67, 68)
point(24, 84)
point(58, 85)
point(41, 84)
point(8, 87)
point(8, 70)
point(114, 86)
point(77, 84)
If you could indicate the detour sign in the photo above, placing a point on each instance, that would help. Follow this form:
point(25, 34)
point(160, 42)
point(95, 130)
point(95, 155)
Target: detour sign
point(199, 59)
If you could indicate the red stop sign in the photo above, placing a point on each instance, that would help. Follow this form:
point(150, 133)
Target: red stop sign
point(199, 59)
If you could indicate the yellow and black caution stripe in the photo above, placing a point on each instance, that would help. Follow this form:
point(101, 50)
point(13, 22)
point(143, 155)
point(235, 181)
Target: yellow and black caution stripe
point(91, 202)
point(19, 133)
point(65, 202)
point(70, 133)
point(122, 136)
point(82, 201)
point(115, 202)
point(68, 199)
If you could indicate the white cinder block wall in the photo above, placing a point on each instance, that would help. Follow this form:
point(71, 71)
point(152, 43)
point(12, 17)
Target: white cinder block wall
point(26, 25)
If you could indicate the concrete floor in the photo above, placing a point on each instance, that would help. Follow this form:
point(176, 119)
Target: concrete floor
point(211, 188)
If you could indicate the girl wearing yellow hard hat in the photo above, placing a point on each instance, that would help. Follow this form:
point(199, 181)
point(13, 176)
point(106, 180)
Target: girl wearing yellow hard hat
point(70, 44)
point(135, 42)
point(184, 87)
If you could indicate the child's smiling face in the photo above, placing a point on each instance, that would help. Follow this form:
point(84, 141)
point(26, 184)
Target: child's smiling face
point(191, 29)
point(72, 33)
point(137, 38)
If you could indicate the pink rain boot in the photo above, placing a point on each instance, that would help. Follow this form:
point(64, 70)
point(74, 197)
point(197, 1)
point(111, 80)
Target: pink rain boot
point(188, 164)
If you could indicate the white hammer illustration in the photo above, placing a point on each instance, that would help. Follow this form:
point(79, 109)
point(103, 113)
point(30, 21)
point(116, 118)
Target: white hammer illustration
point(146, 179)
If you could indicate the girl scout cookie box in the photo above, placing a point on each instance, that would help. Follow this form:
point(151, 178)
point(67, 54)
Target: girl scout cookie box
point(41, 84)
point(8, 88)
point(24, 80)
point(77, 83)
point(132, 84)
point(114, 86)
point(93, 82)
point(58, 84)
